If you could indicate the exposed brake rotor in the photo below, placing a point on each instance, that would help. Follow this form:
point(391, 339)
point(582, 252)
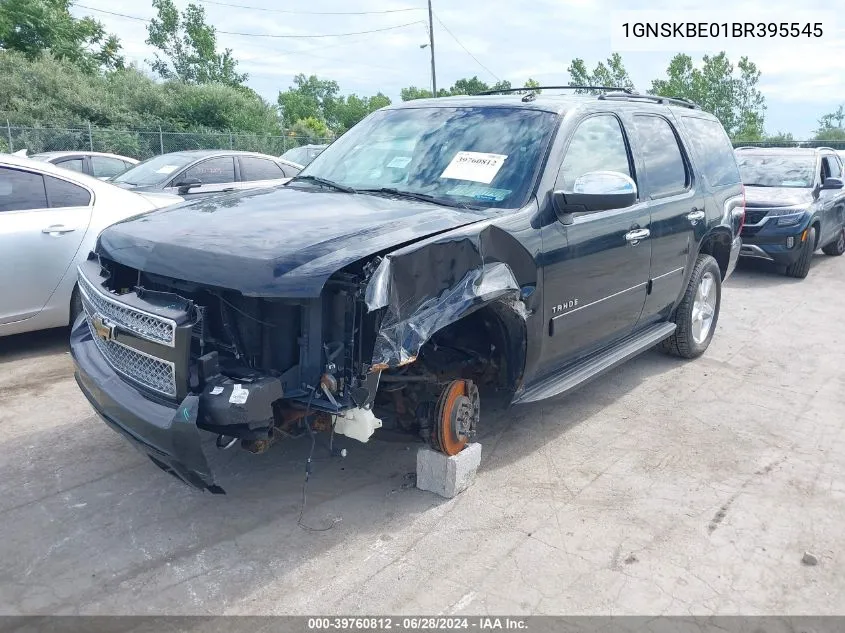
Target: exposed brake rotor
point(455, 417)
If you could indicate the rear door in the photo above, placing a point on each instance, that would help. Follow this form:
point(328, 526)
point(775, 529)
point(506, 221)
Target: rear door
point(261, 172)
point(675, 204)
point(105, 167)
point(216, 175)
point(42, 222)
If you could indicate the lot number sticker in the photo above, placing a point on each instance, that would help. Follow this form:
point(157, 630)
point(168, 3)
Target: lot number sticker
point(474, 166)
point(239, 395)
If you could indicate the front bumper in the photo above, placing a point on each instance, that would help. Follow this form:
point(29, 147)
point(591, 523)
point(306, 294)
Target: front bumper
point(778, 244)
point(168, 435)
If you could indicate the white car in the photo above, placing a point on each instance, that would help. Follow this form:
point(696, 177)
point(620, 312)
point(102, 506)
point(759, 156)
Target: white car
point(97, 164)
point(49, 221)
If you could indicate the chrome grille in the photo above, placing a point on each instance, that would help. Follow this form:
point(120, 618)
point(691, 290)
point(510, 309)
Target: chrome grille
point(153, 373)
point(145, 325)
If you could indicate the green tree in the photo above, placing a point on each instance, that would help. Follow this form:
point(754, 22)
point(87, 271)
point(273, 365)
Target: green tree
point(780, 137)
point(613, 73)
point(735, 101)
point(187, 47)
point(468, 87)
point(832, 126)
point(309, 97)
point(310, 130)
point(34, 27)
point(532, 85)
point(348, 110)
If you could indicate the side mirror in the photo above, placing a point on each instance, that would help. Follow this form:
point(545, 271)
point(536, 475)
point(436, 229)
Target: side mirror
point(184, 186)
point(595, 191)
point(832, 183)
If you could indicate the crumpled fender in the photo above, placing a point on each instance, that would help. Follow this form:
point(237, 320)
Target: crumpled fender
point(431, 284)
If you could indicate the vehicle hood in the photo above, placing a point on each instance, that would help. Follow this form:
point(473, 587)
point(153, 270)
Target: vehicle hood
point(280, 242)
point(756, 197)
point(160, 199)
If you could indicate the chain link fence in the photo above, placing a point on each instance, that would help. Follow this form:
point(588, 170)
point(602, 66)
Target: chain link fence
point(146, 142)
point(141, 143)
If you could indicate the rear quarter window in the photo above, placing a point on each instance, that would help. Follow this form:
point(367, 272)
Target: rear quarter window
point(713, 151)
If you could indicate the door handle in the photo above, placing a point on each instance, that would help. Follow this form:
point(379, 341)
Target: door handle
point(228, 189)
point(636, 235)
point(695, 215)
point(57, 229)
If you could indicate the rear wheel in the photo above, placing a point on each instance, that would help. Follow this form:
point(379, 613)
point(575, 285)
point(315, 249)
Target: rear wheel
point(698, 311)
point(837, 247)
point(801, 266)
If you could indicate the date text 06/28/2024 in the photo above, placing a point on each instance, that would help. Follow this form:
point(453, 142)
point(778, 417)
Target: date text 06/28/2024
point(419, 623)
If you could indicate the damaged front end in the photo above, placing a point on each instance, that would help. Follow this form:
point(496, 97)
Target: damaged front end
point(401, 340)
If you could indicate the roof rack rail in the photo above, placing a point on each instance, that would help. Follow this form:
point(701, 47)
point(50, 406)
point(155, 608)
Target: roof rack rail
point(748, 147)
point(531, 88)
point(827, 148)
point(678, 101)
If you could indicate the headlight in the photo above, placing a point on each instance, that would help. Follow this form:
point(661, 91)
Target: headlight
point(790, 220)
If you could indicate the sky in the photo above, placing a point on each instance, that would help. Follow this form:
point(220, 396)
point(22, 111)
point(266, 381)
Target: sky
point(802, 78)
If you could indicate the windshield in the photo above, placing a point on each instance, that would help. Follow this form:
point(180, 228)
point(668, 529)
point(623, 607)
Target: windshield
point(298, 155)
point(154, 170)
point(777, 170)
point(471, 156)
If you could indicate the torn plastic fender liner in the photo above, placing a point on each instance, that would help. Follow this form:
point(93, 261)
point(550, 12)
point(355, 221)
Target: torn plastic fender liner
point(426, 287)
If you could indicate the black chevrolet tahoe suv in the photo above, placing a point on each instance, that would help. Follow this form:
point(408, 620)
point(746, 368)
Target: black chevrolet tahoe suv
point(510, 244)
point(795, 205)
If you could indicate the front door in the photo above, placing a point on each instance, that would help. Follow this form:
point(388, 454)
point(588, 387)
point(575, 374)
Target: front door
point(595, 271)
point(215, 175)
point(676, 205)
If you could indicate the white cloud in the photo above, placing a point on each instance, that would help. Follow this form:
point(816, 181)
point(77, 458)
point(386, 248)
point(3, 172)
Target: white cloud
point(515, 39)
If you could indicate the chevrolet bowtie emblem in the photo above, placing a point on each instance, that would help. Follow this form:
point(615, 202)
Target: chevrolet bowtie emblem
point(103, 328)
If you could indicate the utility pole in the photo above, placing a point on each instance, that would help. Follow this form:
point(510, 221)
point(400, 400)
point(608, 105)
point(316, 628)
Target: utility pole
point(431, 45)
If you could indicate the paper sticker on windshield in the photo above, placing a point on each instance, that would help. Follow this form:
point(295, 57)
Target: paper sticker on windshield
point(167, 169)
point(474, 166)
point(793, 183)
point(399, 162)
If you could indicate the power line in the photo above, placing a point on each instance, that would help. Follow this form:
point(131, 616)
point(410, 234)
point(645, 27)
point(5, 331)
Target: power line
point(446, 28)
point(269, 35)
point(288, 11)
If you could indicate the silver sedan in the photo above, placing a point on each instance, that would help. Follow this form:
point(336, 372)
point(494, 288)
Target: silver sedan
point(49, 221)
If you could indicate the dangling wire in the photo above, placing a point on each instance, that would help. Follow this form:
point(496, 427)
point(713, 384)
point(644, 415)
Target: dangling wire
point(308, 473)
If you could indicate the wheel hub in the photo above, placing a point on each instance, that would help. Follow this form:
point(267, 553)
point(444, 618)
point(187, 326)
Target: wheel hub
point(704, 308)
point(455, 417)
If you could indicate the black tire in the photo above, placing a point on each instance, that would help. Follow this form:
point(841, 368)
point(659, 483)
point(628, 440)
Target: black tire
point(683, 343)
point(837, 247)
point(801, 266)
point(75, 305)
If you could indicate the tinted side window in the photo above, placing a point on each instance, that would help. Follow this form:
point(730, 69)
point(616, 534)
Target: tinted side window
point(73, 163)
point(834, 167)
point(21, 190)
point(664, 162)
point(259, 169)
point(105, 167)
point(597, 145)
point(713, 151)
point(64, 194)
point(212, 171)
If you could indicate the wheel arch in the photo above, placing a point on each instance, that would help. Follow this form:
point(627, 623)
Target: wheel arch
point(717, 243)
